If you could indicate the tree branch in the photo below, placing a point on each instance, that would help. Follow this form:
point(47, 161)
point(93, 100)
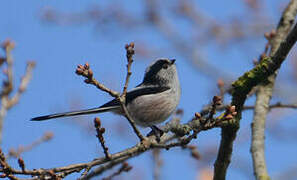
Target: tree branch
point(264, 94)
point(182, 136)
point(240, 88)
point(8, 102)
point(277, 105)
point(86, 72)
point(122, 99)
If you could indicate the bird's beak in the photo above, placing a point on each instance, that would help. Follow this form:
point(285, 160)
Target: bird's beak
point(172, 61)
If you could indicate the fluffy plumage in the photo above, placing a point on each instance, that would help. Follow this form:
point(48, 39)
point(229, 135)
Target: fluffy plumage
point(149, 103)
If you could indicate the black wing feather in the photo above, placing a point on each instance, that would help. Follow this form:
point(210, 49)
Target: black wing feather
point(138, 91)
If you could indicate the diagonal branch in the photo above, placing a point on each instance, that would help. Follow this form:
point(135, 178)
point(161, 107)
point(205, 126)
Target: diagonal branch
point(264, 94)
point(241, 87)
point(122, 98)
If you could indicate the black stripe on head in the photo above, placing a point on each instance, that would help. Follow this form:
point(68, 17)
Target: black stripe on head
point(151, 72)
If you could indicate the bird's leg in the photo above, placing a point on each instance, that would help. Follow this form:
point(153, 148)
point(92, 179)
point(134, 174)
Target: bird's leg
point(157, 132)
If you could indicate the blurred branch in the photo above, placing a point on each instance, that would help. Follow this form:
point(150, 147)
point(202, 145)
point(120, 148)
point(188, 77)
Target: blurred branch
point(8, 102)
point(124, 168)
point(189, 45)
point(157, 163)
point(5, 168)
point(194, 151)
point(103, 168)
point(23, 85)
point(16, 153)
point(100, 131)
point(241, 88)
point(264, 93)
point(289, 174)
point(180, 44)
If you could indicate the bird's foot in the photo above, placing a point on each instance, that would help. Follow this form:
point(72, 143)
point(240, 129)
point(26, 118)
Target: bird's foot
point(157, 132)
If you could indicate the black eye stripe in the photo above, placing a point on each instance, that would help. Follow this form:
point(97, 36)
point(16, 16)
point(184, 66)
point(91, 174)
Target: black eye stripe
point(161, 63)
point(165, 66)
point(151, 74)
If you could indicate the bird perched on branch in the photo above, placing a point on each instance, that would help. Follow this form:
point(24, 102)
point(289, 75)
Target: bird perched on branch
point(149, 103)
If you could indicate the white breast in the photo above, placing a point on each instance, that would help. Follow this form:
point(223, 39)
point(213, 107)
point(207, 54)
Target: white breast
point(148, 110)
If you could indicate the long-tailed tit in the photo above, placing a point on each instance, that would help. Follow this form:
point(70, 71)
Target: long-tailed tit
point(149, 103)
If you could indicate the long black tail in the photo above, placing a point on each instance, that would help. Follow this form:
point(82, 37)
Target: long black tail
point(74, 113)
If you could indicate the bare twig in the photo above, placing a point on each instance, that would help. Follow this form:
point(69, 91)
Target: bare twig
point(86, 72)
point(220, 85)
point(122, 99)
point(21, 163)
point(277, 105)
point(5, 168)
point(124, 168)
point(16, 153)
point(8, 102)
point(103, 168)
point(100, 131)
point(194, 152)
point(131, 121)
point(129, 54)
point(216, 101)
point(7, 84)
point(181, 130)
point(23, 85)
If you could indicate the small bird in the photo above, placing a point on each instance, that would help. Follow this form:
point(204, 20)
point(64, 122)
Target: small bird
point(149, 103)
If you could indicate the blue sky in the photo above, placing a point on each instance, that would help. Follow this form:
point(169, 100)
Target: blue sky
point(54, 87)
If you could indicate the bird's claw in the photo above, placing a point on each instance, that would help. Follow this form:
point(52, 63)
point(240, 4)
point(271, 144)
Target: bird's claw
point(157, 132)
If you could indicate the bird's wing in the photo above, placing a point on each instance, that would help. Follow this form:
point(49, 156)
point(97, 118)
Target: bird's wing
point(139, 90)
point(111, 105)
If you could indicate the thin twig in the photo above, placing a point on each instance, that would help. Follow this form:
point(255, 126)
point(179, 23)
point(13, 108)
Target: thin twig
point(5, 168)
point(6, 101)
point(100, 131)
point(23, 85)
point(131, 121)
point(7, 84)
point(86, 72)
point(277, 105)
point(122, 99)
point(124, 168)
point(16, 153)
point(103, 168)
point(157, 163)
point(129, 54)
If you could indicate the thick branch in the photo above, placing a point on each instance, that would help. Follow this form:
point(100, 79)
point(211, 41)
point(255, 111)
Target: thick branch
point(241, 88)
point(264, 94)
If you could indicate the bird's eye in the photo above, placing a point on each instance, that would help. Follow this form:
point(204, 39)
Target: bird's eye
point(165, 66)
